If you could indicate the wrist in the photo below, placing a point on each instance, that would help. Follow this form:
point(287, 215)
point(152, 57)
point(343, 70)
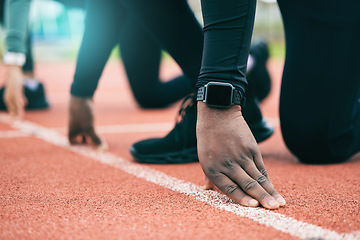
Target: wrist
point(13, 68)
point(78, 102)
point(202, 106)
point(220, 95)
point(206, 113)
point(14, 59)
point(80, 98)
point(14, 75)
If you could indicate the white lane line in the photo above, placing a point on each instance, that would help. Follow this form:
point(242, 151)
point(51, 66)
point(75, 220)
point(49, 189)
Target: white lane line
point(12, 134)
point(131, 128)
point(275, 121)
point(127, 128)
point(146, 127)
point(275, 220)
point(354, 235)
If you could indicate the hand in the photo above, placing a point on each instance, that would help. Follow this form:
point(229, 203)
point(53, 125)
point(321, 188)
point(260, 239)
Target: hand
point(230, 158)
point(81, 123)
point(14, 97)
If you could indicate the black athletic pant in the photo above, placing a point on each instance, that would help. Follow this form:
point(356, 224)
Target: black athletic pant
point(143, 29)
point(320, 92)
point(141, 56)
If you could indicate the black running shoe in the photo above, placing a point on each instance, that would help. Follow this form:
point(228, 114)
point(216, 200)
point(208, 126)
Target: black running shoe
point(261, 130)
point(180, 145)
point(259, 75)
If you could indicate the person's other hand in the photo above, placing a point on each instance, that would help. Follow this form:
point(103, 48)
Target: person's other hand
point(81, 123)
point(14, 97)
point(231, 159)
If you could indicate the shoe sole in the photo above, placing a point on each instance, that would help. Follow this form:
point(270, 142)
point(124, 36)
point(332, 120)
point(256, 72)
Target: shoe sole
point(260, 137)
point(184, 156)
point(261, 130)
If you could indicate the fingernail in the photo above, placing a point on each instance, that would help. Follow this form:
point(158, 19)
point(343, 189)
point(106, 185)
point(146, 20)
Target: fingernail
point(253, 203)
point(281, 201)
point(273, 204)
point(102, 148)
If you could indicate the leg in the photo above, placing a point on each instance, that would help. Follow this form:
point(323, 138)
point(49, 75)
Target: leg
point(103, 24)
point(139, 49)
point(102, 28)
point(141, 56)
point(174, 27)
point(319, 94)
point(257, 73)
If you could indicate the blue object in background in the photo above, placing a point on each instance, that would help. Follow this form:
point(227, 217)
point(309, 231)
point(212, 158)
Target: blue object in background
point(52, 20)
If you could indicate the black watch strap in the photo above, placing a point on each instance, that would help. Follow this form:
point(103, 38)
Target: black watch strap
point(200, 94)
point(237, 99)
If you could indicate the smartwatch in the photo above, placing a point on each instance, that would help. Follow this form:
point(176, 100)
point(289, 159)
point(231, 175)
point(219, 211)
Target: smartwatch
point(219, 95)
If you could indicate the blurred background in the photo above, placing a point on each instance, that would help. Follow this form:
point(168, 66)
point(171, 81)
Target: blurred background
point(57, 27)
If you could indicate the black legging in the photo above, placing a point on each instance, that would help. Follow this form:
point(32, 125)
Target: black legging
point(137, 24)
point(320, 92)
point(139, 49)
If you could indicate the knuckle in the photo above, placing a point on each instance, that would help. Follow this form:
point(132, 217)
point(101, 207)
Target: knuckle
point(230, 189)
point(212, 171)
point(96, 140)
point(244, 160)
point(249, 185)
point(228, 164)
point(253, 150)
point(261, 179)
point(272, 192)
point(72, 134)
point(264, 172)
point(263, 196)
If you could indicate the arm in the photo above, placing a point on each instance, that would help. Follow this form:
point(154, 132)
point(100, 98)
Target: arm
point(230, 158)
point(102, 29)
point(227, 150)
point(16, 21)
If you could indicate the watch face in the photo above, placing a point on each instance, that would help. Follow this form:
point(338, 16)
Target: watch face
point(219, 95)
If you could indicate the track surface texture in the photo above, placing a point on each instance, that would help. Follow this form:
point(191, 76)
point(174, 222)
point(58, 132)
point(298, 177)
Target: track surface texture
point(51, 190)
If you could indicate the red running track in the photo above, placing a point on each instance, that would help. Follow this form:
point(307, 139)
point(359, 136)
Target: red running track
point(50, 190)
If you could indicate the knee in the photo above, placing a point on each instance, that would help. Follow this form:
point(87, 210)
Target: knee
point(146, 100)
point(312, 149)
point(309, 143)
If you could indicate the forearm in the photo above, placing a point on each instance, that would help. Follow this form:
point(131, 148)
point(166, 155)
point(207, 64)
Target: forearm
point(104, 20)
point(16, 23)
point(228, 28)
